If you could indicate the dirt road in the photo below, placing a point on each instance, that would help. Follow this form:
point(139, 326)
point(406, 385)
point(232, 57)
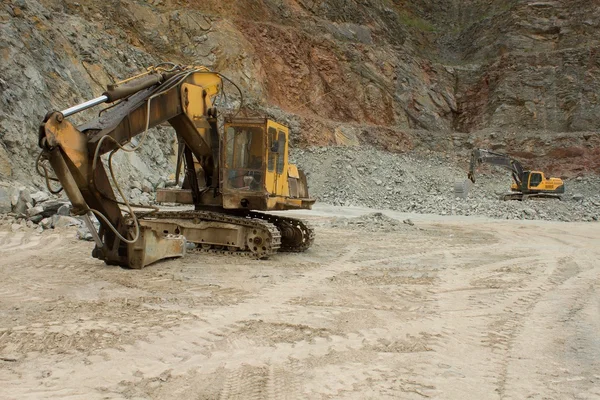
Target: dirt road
point(448, 309)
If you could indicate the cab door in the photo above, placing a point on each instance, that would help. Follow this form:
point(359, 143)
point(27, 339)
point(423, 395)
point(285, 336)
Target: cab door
point(277, 159)
point(535, 180)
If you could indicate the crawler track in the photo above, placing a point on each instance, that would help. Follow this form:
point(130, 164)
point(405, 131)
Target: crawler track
point(272, 232)
point(296, 235)
point(219, 233)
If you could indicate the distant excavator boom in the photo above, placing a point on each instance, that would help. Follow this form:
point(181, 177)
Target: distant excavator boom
point(481, 156)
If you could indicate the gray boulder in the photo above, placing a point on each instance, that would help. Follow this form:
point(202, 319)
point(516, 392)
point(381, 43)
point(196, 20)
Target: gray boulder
point(61, 221)
point(37, 210)
point(65, 210)
point(24, 202)
point(40, 197)
point(84, 234)
point(134, 195)
point(51, 207)
point(36, 219)
point(136, 185)
point(46, 223)
point(147, 187)
point(5, 200)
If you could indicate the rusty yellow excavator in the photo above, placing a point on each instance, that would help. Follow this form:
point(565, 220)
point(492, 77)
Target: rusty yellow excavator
point(229, 175)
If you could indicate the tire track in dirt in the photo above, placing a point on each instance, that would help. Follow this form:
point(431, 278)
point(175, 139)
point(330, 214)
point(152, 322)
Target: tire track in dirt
point(509, 306)
point(448, 314)
point(22, 245)
point(378, 340)
point(505, 331)
point(513, 306)
point(346, 343)
point(260, 383)
point(567, 300)
point(270, 298)
point(200, 334)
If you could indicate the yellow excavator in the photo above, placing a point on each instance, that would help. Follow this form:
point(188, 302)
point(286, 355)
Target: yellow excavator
point(229, 175)
point(526, 184)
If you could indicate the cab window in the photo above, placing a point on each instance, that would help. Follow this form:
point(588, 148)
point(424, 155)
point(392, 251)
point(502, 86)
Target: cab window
point(535, 180)
point(244, 158)
point(281, 146)
point(272, 134)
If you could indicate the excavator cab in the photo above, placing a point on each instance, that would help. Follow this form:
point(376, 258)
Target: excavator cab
point(255, 170)
point(536, 182)
point(529, 181)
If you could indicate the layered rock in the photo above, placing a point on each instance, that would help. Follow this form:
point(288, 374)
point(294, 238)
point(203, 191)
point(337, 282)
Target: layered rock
point(443, 76)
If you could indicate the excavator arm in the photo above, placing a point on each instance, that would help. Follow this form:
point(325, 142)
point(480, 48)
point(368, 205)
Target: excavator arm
point(181, 96)
point(481, 156)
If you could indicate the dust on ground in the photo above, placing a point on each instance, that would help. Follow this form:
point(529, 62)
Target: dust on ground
point(453, 308)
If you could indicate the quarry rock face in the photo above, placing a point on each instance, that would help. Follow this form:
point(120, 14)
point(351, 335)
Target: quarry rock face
point(424, 76)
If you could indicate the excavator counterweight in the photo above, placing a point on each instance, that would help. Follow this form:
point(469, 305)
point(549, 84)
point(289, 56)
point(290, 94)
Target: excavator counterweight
point(229, 177)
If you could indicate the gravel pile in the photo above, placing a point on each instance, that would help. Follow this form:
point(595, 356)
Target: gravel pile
point(373, 222)
point(375, 179)
point(349, 177)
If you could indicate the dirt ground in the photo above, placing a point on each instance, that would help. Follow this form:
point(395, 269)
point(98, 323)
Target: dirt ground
point(450, 308)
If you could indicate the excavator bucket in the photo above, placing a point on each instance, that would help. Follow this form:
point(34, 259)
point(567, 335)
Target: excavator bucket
point(461, 189)
point(152, 246)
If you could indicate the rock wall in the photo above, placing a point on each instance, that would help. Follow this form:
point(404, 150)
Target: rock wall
point(403, 75)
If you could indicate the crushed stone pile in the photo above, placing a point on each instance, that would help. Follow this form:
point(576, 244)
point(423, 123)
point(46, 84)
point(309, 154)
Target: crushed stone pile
point(344, 176)
point(367, 177)
point(373, 222)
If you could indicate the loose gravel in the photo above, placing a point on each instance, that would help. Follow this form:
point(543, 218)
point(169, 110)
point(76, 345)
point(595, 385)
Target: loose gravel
point(370, 178)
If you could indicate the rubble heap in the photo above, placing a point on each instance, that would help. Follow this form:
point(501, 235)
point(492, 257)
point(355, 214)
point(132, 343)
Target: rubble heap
point(375, 179)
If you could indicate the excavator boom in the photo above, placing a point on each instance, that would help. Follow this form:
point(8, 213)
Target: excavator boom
point(480, 156)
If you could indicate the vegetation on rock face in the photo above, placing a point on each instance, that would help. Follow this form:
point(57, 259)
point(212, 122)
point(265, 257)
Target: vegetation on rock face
point(381, 71)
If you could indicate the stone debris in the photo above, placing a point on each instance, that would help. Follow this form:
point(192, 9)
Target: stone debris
point(345, 176)
point(147, 187)
point(24, 208)
point(84, 234)
point(40, 197)
point(29, 208)
point(65, 209)
point(23, 201)
point(37, 210)
point(373, 222)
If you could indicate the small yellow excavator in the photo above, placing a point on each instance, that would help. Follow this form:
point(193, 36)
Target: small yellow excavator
point(526, 183)
point(229, 175)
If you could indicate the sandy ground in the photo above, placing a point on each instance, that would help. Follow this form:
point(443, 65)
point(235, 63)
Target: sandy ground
point(450, 308)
